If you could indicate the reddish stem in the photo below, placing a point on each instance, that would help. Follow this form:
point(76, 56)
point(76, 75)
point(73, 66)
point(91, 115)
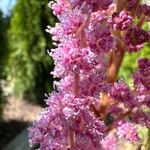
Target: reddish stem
point(71, 134)
point(71, 139)
point(120, 4)
point(116, 59)
point(76, 83)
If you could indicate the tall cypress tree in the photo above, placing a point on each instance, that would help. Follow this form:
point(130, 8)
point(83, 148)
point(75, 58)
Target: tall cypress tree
point(29, 64)
point(4, 21)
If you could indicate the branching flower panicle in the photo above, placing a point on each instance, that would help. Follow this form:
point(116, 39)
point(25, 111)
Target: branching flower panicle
point(91, 108)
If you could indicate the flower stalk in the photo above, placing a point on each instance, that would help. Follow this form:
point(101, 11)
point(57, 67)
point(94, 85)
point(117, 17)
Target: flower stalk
point(89, 32)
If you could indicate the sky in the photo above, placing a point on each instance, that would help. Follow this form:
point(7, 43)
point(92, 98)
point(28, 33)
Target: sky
point(6, 5)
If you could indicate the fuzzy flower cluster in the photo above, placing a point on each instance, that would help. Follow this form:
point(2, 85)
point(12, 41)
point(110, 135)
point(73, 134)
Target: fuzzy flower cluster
point(143, 75)
point(128, 131)
point(90, 107)
point(135, 37)
point(121, 21)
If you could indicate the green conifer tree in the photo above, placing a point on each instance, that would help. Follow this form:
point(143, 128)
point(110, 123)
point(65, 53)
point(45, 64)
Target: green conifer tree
point(29, 64)
point(4, 21)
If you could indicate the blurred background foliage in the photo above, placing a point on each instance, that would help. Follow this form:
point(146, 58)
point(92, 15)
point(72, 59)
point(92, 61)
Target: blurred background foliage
point(29, 65)
point(4, 22)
